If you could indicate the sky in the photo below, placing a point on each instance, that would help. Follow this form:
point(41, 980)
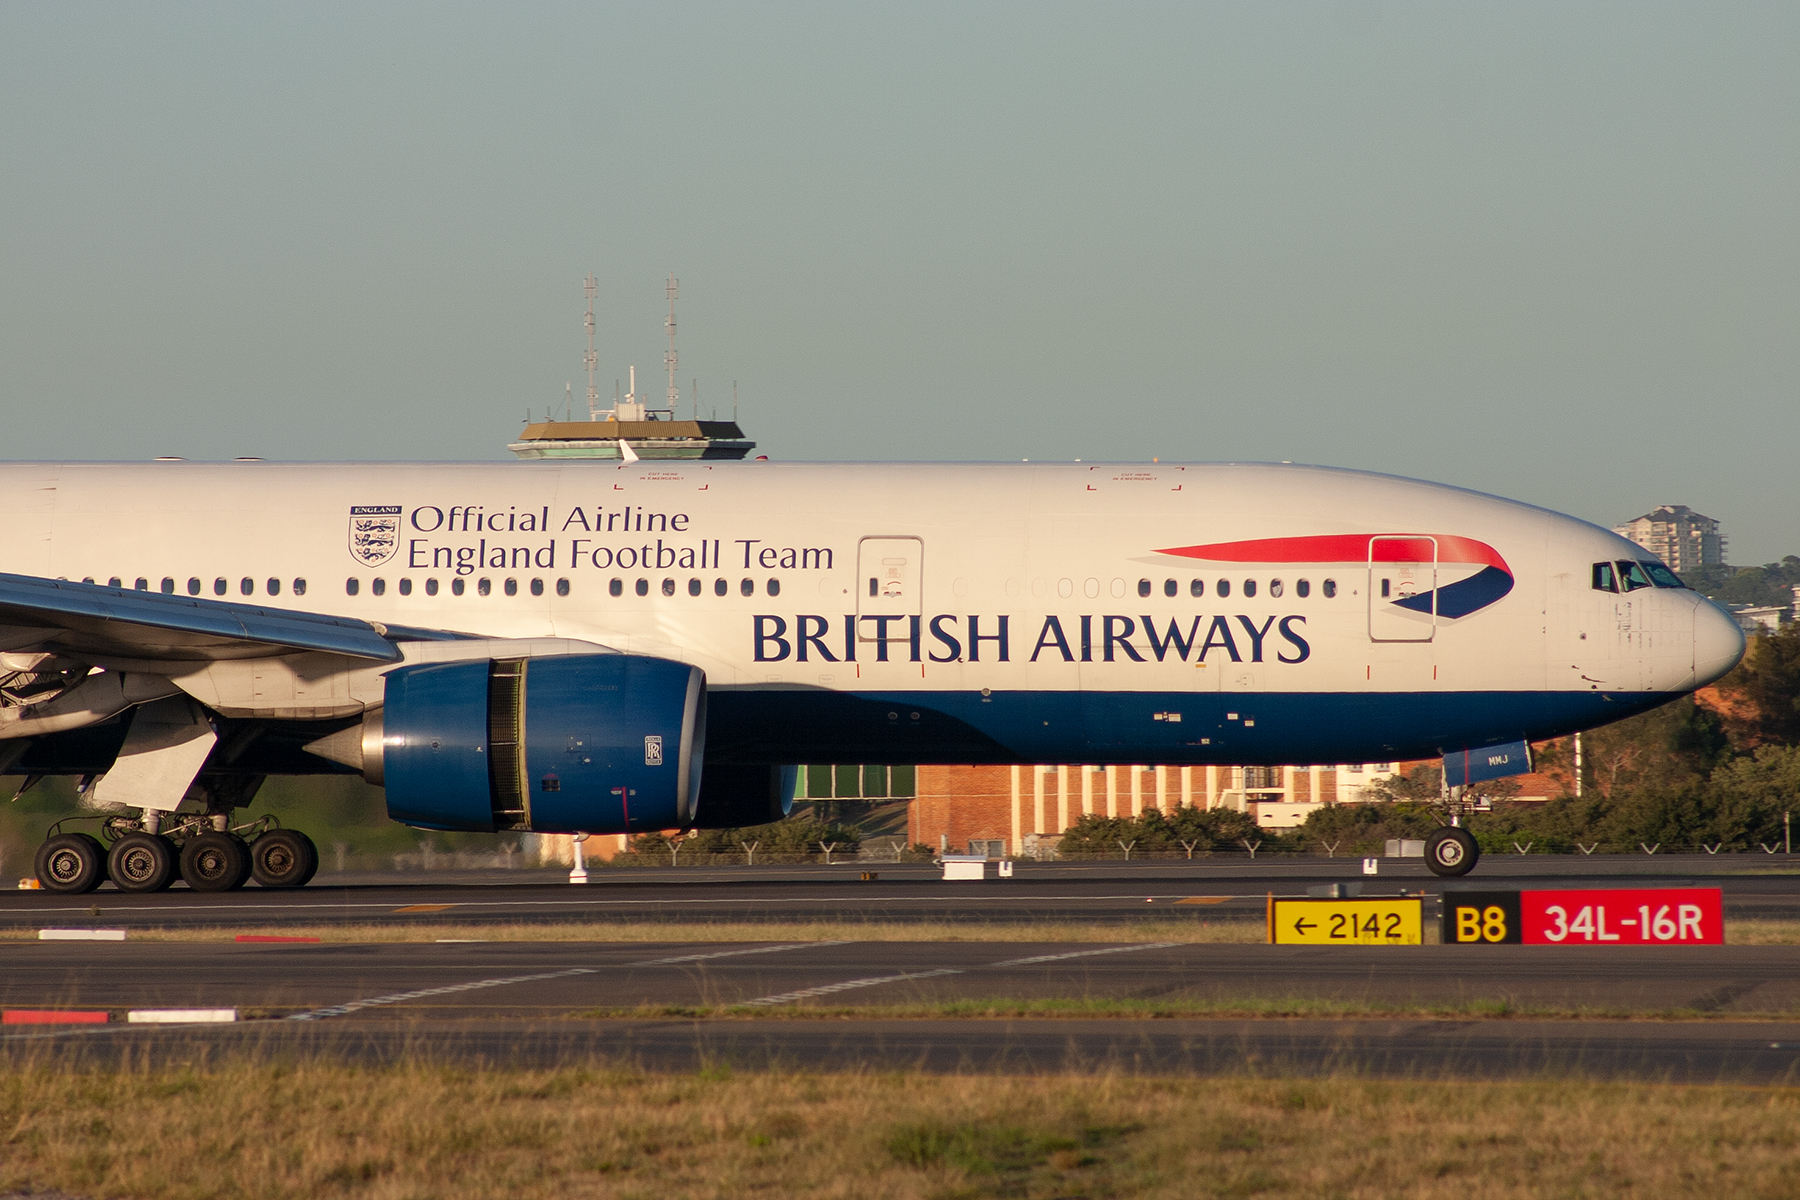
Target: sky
point(1550, 251)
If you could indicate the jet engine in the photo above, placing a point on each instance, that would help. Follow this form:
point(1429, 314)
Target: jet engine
point(589, 743)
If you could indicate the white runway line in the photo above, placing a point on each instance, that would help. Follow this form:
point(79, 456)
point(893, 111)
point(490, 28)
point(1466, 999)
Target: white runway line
point(1042, 958)
point(848, 985)
point(180, 1016)
point(81, 935)
point(851, 984)
point(339, 1010)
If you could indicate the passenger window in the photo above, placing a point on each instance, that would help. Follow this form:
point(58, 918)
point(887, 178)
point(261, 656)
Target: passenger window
point(616, 588)
point(1197, 588)
point(406, 587)
point(1224, 589)
point(299, 587)
point(484, 587)
point(720, 587)
point(1249, 587)
point(1663, 577)
point(748, 587)
point(247, 586)
point(1604, 580)
point(562, 587)
point(431, 587)
point(693, 587)
point(457, 587)
point(193, 587)
point(378, 586)
point(1385, 585)
point(274, 587)
point(115, 581)
point(220, 587)
point(168, 586)
point(668, 587)
point(643, 587)
point(512, 587)
point(1275, 587)
point(142, 585)
point(351, 586)
point(774, 587)
point(1329, 588)
point(1632, 575)
point(1302, 588)
point(1143, 587)
point(87, 579)
point(537, 587)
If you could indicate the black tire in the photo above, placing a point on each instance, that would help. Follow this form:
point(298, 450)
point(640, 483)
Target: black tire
point(283, 858)
point(71, 863)
point(243, 875)
point(214, 862)
point(1451, 852)
point(142, 862)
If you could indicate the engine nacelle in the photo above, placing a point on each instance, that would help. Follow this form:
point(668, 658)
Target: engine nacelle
point(581, 743)
point(735, 796)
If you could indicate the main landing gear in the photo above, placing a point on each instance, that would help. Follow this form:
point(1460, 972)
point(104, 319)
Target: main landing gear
point(201, 850)
point(1451, 851)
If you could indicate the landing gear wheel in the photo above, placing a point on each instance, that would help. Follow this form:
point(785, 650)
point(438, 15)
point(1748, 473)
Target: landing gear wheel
point(142, 862)
point(1451, 851)
point(283, 858)
point(214, 862)
point(71, 863)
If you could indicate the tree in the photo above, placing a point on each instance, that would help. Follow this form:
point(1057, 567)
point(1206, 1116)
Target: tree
point(1769, 679)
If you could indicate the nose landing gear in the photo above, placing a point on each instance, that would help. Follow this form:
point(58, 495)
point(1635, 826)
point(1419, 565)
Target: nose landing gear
point(1451, 851)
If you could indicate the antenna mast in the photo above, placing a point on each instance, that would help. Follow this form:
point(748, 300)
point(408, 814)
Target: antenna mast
point(669, 358)
point(592, 360)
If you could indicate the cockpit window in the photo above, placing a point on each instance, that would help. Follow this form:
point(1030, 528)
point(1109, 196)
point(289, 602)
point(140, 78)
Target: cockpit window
point(1604, 579)
point(1662, 576)
point(1632, 575)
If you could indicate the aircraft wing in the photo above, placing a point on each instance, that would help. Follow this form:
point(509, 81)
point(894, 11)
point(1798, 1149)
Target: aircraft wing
point(84, 619)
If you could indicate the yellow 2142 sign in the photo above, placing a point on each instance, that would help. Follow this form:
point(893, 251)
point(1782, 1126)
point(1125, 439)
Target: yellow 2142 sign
point(1345, 922)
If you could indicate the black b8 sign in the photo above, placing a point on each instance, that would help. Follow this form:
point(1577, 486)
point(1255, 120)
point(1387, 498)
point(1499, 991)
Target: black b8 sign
point(1587, 917)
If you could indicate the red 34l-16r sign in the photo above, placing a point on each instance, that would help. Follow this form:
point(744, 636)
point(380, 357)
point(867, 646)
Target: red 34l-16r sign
point(1586, 917)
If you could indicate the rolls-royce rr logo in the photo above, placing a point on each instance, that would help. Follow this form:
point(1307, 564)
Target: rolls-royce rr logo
point(374, 533)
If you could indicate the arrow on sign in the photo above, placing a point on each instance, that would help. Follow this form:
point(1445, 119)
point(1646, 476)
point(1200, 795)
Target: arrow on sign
point(1302, 925)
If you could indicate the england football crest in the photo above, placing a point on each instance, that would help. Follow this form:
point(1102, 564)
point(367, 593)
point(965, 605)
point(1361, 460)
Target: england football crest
point(374, 533)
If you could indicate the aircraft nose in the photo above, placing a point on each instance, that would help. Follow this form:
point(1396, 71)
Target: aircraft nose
point(1718, 642)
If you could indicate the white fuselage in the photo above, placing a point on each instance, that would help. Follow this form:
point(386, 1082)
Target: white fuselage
point(1007, 599)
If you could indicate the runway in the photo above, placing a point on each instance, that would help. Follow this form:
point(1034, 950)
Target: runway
point(517, 980)
point(535, 1004)
point(542, 1002)
point(1755, 886)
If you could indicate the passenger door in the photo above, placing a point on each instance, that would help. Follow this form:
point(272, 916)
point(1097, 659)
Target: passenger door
point(1402, 589)
point(890, 573)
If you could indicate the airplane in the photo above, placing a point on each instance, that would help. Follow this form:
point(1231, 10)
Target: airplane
point(599, 647)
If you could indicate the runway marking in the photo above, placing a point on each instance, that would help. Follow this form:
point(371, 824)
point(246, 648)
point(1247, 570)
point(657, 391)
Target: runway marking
point(1205, 900)
point(339, 1010)
point(873, 981)
point(1044, 958)
point(829, 988)
point(425, 908)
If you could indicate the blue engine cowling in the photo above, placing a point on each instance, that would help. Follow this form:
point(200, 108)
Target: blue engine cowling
point(585, 743)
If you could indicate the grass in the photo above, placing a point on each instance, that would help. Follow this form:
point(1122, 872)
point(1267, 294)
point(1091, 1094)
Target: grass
point(270, 1132)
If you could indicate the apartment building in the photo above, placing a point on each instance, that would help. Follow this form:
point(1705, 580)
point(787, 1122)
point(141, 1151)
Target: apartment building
point(1678, 535)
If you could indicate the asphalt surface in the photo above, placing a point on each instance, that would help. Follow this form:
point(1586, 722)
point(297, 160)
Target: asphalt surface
point(1742, 1053)
point(533, 1003)
point(1754, 886)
